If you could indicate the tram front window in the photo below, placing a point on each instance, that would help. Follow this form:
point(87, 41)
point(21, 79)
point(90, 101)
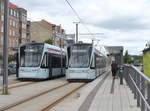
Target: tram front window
point(80, 56)
point(30, 55)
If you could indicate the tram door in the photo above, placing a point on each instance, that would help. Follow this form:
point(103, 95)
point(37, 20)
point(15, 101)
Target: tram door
point(46, 63)
point(17, 64)
point(50, 65)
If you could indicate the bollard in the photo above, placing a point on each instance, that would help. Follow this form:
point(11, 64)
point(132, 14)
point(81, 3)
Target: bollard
point(121, 71)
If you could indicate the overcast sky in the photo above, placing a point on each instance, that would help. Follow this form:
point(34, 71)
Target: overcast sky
point(120, 22)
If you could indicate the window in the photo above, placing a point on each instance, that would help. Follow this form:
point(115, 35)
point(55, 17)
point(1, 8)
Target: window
point(56, 62)
point(17, 14)
point(14, 23)
point(2, 17)
point(12, 43)
point(45, 61)
point(23, 35)
point(80, 56)
point(93, 62)
point(24, 17)
point(11, 22)
point(2, 29)
point(11, 11)
point(24, 26)
point(30, 55)
point(14, 13)
point(13, 33)
point(16, 43)
point(64, 62)
point(9, 42)
point(1, 40)
point(9, 32)
point(2, 6)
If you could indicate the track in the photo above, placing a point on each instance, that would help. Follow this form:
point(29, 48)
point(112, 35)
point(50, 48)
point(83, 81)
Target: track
point(51, 105)
point(30, 98)
point(20, 85)
point(38, 97)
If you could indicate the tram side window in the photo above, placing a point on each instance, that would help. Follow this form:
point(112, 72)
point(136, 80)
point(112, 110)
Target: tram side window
point(93, 63)
point(64, 62)
point(45, 61)
point(56, 62)
point(98, 61)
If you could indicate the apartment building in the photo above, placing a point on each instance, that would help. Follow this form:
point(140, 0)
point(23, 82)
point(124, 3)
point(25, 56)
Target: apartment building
point(17, 26)
point(44, 30)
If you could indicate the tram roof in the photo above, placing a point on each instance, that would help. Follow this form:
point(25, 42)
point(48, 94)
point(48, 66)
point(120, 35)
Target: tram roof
point(32, 43)
point(82, 44)
point(45, 44)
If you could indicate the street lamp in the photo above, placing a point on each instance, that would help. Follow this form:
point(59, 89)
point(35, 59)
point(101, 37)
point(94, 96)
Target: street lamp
point(5, 48)
point(76, 31)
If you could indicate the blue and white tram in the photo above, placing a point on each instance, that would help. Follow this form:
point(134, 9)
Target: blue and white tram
point(41, 61)
point(86, 62)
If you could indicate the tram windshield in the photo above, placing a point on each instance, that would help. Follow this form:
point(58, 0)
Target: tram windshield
point(80, 56)
point(30, 55)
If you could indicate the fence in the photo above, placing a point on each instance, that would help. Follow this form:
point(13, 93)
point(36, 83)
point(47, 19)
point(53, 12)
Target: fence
point(139, 83)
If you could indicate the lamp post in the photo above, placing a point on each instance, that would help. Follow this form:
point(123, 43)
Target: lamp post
point(76, 31)
point(5, 48)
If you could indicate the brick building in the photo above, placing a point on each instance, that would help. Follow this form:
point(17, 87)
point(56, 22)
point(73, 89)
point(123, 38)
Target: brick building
point(17, 26)
point(44, 30)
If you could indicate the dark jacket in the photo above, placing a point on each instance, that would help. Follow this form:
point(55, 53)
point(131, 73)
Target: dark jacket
point(114, 67)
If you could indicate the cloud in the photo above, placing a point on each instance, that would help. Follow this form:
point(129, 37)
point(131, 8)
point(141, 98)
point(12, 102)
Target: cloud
point(123, 22)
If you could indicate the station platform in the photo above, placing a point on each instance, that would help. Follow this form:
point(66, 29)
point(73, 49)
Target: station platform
point(103, 94)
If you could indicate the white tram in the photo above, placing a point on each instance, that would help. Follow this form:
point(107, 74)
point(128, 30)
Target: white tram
point(41, 61)
point(86, 62)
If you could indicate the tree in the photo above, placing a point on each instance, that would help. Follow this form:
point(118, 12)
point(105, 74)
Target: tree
point(49, 41)
point(127, 58)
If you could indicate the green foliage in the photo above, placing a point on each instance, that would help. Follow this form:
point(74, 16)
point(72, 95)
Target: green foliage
point(49, 41)
point(137, 59)
point(127, 58)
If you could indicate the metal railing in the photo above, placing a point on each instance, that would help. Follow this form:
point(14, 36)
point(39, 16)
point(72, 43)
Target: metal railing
point(139, 83)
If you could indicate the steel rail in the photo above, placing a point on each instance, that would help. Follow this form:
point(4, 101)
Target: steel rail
point(50, 106)
point(31, 97)
point(20, 85)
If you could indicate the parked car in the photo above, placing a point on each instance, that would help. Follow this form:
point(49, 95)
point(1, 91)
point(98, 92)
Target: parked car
point(12, 69)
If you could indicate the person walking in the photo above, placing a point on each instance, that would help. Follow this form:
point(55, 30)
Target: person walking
point(114, 68)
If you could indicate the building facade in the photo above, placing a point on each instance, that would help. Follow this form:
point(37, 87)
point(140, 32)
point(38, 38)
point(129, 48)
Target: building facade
point(17, 26)
point(44, 30)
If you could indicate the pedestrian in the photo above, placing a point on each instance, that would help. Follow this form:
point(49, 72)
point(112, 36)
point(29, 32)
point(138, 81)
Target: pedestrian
point(114, 68)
